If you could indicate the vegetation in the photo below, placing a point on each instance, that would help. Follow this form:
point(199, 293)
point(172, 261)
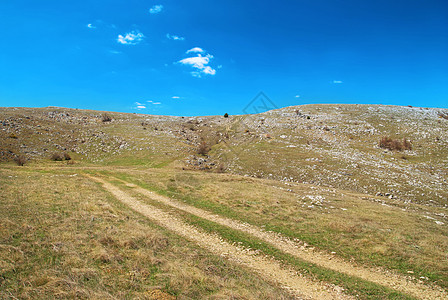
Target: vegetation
point(313, 174)
point(106, 118)
point(395, 145)
point(203, 148)
point(61, 244)
point(56, 156)
point(20, 160)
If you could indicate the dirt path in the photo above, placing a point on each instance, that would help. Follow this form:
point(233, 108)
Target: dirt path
point(302, 287)
point(385, 278)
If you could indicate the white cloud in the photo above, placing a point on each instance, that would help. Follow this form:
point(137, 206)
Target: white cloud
point(114, 52)
point(91, 26)
point(156, 103)
point(175, 97)
point(209, 70)
point(139, 105)
point(200, 62)
point(149, 101)
point(156, 9)
point(337, 81)
point(297, 96)
point(195, 50)
point(131, 38)
point(174, 37)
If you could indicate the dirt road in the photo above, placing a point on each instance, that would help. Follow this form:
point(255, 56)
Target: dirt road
point(267, 267)
point(385, 278)
point(270, 269)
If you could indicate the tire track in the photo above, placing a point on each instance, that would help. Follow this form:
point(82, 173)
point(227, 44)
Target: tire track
point(382, 277)
point(270, 269)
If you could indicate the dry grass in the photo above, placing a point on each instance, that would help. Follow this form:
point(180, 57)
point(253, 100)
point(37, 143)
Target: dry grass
point(72, 240)
point(368, 229)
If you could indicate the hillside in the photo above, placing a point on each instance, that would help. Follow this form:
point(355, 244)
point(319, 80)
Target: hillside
point(307, 189)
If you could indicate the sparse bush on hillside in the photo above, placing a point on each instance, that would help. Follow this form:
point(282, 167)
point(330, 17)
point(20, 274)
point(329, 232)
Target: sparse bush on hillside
point(20, 160)
point(395, 145)
point(226, 115)
point(221, 168)
point(443, 115)
point(203, 148)
point(13, 136)
point(60, 156)
point(106, 118)
point(57, 157)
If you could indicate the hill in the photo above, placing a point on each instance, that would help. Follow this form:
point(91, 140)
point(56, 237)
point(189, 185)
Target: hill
point(353, 198)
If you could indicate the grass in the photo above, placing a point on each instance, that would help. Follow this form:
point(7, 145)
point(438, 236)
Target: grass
point(72, 240)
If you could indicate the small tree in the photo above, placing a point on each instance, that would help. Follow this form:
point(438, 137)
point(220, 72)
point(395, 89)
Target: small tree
point(226, 115)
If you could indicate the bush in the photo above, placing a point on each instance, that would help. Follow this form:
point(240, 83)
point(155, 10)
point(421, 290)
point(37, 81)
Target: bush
point(226, 115)
point(20, 160)
point(60, 156)
point(221, 168)
point(57, 157)
point(395, 145)
point(106, 118)
point(203, 148)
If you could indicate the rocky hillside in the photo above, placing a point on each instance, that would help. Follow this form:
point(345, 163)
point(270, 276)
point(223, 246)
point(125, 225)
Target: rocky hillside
point(327, 145)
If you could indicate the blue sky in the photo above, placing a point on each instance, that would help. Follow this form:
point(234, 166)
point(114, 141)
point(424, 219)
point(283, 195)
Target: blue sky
point(208, 57)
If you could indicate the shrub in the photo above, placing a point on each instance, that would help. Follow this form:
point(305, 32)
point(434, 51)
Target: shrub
point(221, 168)
point(443, 115)
point(13, 136)
point(395, 145)
point(67, 156)
point(203, 148)
point(106, 118)
point(226, 115)
point(57, 157)
point(20, 160)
